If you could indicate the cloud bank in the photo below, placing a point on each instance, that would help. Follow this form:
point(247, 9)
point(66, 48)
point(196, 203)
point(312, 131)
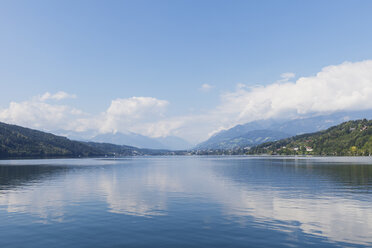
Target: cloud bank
point(131, 114)
point(343, 87)
point(36, 113)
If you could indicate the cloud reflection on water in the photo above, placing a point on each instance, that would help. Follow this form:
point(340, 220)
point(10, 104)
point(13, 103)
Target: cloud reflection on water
point(151, 187)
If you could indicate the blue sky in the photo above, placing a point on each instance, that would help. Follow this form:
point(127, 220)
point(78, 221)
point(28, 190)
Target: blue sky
point(100, 51)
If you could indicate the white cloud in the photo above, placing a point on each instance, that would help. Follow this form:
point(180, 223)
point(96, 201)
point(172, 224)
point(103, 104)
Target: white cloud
point(206, 87)
point(37, 114)
point(57, 96)
point(137, 107)
point(342, 87)
point(129, 114)
point(133, 113)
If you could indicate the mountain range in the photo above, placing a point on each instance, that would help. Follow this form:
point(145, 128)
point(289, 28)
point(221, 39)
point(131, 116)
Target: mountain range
point(240, 136)
point(16, 141)
point(348, 138)
point(258, 132)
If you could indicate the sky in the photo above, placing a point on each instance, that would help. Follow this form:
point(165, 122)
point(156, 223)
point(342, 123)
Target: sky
point(183, 68)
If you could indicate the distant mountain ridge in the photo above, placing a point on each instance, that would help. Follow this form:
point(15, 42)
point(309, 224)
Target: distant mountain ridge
point(130, 139)
point(247, 139)
point(141, 141)
point(276, 129)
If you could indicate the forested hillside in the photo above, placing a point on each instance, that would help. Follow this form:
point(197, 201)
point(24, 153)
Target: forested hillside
point(20, 142)
point(16, 141)
point(349, 138)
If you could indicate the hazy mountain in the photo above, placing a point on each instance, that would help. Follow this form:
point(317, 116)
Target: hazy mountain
point(174, 143)
point(248, 139)
point(141, 141)
point(129, 139)
point(222, 137)
point(252, 130)
point(79, 136)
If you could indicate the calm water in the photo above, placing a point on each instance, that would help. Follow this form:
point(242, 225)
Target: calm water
point(186, 202)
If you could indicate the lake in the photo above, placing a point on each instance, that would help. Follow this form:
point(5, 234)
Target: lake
point(187, 202)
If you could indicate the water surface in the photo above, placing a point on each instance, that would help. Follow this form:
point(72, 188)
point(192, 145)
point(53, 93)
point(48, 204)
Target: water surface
point(186, 202)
